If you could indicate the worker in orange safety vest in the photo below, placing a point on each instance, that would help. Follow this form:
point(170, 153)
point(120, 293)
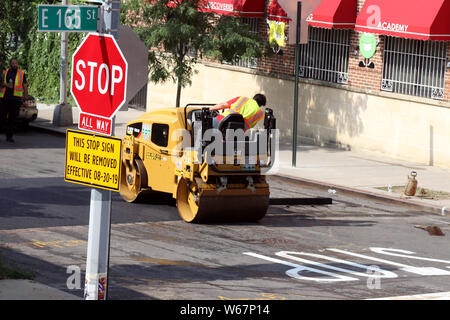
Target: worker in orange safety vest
point(13, 91)
point(250, 109)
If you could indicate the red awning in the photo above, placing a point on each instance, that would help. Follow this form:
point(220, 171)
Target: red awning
point(243, 8)
point(415, 19)
point(334, 14)
point(276, 13)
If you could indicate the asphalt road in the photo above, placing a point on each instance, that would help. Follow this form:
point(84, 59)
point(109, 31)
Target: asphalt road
point(352, 249)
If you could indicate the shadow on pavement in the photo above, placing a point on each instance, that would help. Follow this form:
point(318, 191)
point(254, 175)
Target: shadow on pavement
point(56, 276)
point(27, 138)
point(50, 202)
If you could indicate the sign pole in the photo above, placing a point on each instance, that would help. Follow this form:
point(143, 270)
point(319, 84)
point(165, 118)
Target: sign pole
point(97, 264)
point(62, 115)
point(297, 62)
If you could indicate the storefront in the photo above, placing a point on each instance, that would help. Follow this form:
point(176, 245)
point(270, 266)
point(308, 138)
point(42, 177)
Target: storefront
point(375, 75)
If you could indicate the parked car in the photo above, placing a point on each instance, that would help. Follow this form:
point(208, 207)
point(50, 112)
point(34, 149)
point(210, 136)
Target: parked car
point(28, 111)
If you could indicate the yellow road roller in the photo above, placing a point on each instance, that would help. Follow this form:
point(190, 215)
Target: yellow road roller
point(215, 174)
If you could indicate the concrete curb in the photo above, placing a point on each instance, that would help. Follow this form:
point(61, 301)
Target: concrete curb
point(40, 127)
point(367, 194)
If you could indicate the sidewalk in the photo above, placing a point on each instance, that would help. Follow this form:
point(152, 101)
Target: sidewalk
point(30, 290)
point(45, 118)
point(341, 170)
point(370, 174)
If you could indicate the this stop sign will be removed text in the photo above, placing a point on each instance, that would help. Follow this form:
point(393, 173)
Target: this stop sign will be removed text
point(99, 76)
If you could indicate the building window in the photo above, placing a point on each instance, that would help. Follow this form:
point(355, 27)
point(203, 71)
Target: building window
point(242, 62)
point(325, 56)
point(414, 67)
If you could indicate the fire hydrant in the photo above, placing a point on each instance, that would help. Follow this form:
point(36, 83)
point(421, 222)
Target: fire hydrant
point(411, 186)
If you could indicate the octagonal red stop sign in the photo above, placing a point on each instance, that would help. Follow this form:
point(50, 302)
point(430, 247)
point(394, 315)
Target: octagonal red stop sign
point(99, 77)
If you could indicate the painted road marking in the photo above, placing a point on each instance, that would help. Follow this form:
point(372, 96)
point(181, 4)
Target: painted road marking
point(294, 273)
point(423, 271)
point(406, 254)
point(334, 277)
point(265, 296)
point(58, 244)
point(45, 244)
point(292, 255)
point(427, 296)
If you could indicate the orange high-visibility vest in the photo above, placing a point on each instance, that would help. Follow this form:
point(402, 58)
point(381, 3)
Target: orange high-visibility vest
point(18, 84)
point(249, 109)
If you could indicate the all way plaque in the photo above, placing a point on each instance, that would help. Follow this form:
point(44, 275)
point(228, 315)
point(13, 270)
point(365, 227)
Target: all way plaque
point(93, 160)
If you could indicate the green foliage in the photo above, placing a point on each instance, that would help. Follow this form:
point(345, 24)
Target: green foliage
point(8, 272)
point(176, 30)
point(39, 53)
point(178, 35)
point(232, 39)
point(17, 18)
point(44, 60)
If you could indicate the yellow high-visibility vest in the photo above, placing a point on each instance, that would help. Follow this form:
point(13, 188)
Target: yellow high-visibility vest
point(249, 109)
point(18, 84)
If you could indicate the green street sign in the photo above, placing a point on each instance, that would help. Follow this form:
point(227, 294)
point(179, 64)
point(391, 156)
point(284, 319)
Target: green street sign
point(69, 18)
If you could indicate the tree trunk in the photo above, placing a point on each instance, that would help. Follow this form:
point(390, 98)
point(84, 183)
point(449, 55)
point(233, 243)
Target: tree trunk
point(178, 93)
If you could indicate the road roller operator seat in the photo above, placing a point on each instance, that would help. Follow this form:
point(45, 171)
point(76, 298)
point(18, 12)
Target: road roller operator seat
point(232, 121)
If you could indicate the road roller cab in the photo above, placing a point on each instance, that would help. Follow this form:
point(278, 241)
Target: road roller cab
point(214, 174)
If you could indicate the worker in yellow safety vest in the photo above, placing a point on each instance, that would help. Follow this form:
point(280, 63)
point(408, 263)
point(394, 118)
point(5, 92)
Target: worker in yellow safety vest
point(13, 91)
point(250, 109)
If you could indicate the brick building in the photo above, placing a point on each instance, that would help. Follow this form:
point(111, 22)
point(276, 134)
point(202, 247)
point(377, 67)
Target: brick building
point(397, 102)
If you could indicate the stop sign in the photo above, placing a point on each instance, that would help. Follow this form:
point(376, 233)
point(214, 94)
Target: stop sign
point(99, 76)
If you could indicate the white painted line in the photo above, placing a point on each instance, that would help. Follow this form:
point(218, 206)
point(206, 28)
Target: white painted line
point(428, 296)
point(291, 255)
point(297, 269)
point(423, 271)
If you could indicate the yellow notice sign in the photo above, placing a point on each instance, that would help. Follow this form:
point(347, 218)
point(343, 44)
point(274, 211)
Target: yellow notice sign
point(93, 160)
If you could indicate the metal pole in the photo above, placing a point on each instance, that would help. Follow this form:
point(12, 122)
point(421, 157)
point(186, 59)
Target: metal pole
point(62, 114)
point(97, 262)
point(63, 78)
point(297, 59)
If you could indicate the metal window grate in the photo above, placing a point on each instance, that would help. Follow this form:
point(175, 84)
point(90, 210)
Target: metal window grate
point(414, 67)
point(242, 62)
point(252, 23)
point(139, 101)
point(325, 56)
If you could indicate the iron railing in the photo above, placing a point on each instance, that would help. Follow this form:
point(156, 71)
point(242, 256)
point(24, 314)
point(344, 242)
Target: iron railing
point(243, 62)
point(325, 56)
point(139, 101)
point(414, 67)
